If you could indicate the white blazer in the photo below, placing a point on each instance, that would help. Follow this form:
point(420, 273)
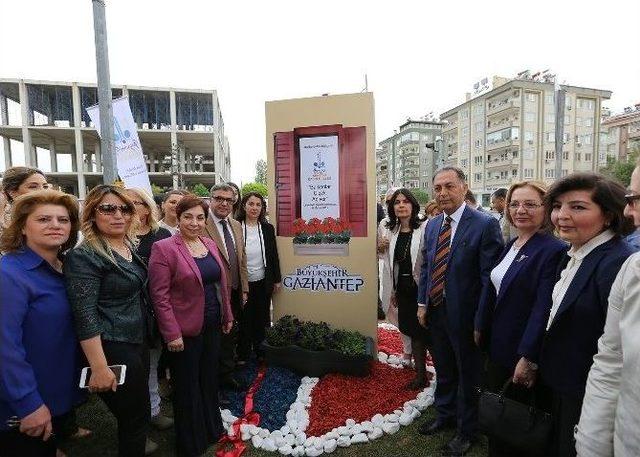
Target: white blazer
point(388, 272)
point(610, 423)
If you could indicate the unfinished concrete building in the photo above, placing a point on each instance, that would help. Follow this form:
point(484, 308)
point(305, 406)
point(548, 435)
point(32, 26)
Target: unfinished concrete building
point(45, 124)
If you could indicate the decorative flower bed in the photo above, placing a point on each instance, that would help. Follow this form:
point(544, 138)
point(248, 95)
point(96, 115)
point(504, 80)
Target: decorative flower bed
point(315, 231)
point(335, 411)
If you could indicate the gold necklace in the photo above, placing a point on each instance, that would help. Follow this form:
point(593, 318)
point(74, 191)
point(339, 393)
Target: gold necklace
point(125, 254)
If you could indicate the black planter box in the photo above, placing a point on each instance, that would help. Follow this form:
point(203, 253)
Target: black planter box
point(319, 363)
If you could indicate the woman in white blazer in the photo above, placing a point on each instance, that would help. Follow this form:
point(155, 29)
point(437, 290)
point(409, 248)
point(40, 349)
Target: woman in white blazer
point(402, 262)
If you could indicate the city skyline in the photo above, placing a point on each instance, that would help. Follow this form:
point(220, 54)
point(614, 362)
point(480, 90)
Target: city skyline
point(248, 54)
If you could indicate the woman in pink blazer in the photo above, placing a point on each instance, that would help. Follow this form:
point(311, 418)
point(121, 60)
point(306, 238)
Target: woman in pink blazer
point(191, 299)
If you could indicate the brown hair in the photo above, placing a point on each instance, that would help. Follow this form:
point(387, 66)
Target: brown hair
point(540, 188)
point(13, 177)
point(190, 201)
point(242, 212)
point(429, 207)
point(92, 237)
point(12, 238)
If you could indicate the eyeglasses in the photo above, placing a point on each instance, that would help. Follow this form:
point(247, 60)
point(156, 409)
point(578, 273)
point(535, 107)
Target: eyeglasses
point(219, 199)
point(631, 199)
point(110, 210)
point(528, 206)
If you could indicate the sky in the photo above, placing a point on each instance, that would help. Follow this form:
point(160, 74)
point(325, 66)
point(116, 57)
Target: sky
point(419, 56)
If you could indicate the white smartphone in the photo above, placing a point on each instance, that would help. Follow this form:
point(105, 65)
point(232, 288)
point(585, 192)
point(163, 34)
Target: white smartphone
point(119, 370)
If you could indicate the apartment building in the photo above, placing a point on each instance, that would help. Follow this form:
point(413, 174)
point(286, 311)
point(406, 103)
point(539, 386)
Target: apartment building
point(45, 124)
point(507, 134)
point(408, 158)
point(620, 134)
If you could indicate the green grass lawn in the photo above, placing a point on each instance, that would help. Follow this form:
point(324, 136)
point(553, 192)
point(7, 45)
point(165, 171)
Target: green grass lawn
point(406, 443)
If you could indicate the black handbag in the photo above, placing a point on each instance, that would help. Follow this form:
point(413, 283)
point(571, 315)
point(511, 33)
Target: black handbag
point(521, 426)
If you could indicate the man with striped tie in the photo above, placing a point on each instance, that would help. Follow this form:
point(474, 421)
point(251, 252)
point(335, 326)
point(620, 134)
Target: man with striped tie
point(460, 249)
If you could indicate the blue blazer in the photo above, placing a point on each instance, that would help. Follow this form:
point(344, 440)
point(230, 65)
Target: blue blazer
point(475, 247)
point(571, 342)
point(513, 321)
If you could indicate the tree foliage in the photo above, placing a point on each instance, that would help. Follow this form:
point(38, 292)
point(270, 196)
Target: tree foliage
point(254, 187)
point(200, 190)
point(421, 195)
point(261, 172)
point(621, 170)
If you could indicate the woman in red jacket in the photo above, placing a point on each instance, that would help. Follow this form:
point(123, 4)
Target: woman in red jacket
point(191, 298)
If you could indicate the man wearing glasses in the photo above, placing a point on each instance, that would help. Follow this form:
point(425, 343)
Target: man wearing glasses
point(227, 233)
point(633, 201)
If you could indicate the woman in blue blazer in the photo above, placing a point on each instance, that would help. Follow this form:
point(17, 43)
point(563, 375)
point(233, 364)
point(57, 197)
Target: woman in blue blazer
point(515, 304)
point(587, 211)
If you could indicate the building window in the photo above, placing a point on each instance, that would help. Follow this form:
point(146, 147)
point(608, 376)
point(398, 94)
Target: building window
point(565, 155)
point(528, 136)
point(567, 101)
point(528, 154)
point(477, 176)
point(528, 173)
point(479, 127)
point(530, 116)
point(514, 154)
point(531, 97)
point(477, 160)
point(464, 114)
point(465, 131)
point(514, 173)
point(550, 99)
point(565, 172)
point(550, 173)
point(550, 118)
point(478, 143)
point(588, 121)
point(578, 156)
point(551, 137)
point(588, 157)
point(584, 103)
point(550, 155)
point(567, 119)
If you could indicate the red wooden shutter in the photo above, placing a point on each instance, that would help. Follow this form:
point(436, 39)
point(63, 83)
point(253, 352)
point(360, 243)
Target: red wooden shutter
point(287, 193)
point(354, 169)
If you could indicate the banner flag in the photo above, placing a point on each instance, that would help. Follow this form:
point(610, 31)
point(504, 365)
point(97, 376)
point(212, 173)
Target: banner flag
point(132, 167)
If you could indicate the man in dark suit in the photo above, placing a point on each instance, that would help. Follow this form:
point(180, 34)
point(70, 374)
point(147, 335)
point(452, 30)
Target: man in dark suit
point(461, 246)
point(227, 234)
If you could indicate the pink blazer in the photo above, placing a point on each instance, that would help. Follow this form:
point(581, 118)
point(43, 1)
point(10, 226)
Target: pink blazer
point(176, 288)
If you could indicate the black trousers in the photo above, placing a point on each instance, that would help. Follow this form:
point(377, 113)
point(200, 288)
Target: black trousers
point(255, 320)
point(566, 411)
point(13, 443)
point(458, 365)
point(229, 341)
point(194, 371)
point(130, 402)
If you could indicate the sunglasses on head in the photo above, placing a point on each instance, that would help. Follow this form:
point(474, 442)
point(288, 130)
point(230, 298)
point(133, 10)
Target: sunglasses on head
point(110, 210)
point(631, 199)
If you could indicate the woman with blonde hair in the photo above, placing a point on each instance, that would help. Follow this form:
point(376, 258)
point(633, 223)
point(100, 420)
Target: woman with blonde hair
point(36, 325)
point(106, 284)
point(148, 231)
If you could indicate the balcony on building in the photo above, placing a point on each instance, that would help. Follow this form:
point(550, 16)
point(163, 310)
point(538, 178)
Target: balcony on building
point(502, 105)
point(501, 161)
point(499, 124)
point(450, 127)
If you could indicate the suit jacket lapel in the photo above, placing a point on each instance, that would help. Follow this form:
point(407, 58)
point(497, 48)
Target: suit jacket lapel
point(583, 275)
point(462, 227)
point(214, 234)
point(189, 258)
point(522, 259)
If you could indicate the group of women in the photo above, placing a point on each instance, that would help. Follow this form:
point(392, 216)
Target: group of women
point(544, 309)
point(116, 297)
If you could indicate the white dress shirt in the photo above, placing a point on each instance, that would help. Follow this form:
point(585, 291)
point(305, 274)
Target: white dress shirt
point(254, 248)
point(497, 274)
point(569, 272)
point(216, 222)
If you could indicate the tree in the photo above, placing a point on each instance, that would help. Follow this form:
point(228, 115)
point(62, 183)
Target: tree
point(261, 172)
point(254, 187)
point(200, 190)
point(156, 189)
point(621, 170)
point(421, 195)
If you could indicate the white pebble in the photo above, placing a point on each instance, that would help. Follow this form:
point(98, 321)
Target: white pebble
point(344, 431)
point(356, 429)
point(382, 357)
point(378, 420)
point(330, 446)
point(256, 440)
point(405, 419)
point(343, 441)
point(290, 439)
point(332, 435)
point(350, 422)
point(359, 438)
point(269, 445)
point(300, 438)
point(312, 452)
point(391, 418)
point(285, 450)
point(375, 434)
point(391, 427)
point(309, 442)
point(263, 433)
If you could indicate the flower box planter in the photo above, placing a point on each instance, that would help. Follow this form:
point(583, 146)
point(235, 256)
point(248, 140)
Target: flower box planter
point(341, 250)
point(319, 363)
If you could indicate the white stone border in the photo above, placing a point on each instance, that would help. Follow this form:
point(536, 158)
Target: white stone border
point(292, 440)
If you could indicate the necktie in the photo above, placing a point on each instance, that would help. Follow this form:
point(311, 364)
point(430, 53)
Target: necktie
point(231, 254)
point(436, 293)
